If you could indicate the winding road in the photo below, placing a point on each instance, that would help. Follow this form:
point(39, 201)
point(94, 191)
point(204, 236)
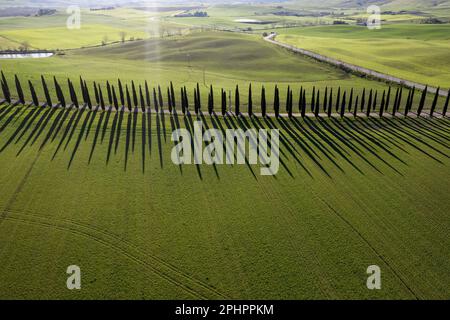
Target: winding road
point(378, 75)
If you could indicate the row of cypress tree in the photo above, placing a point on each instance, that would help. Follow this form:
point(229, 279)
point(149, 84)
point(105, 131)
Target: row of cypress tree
point(133, 98)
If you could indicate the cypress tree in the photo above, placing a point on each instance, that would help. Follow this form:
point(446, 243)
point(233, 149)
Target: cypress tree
point(19, 90)
point(129, 103)
point(276, 102)
point(383, 103)
point(46, 93)
point(355, 109)
point(169, 100)
point(75, 98)
point(102, 101)
point(412, 98)
point(172, 95)
point(407, 103)
point(121, 94)
point(250, 101)
point(399, 101)
point(313, 99)
point(97, 96)
point(290, 103)
point(422, 101)
point(223, 101)
point(350, 102)
point(141, 95)
point(444, 110)
point(375, 99)
point(369, 103)
point(330, 103)
point(317, 106)
point(60, 93)
point(435, 101)
point(344, 98)
point(135, 98)
point(183, 105)
point(363, 99)
point(33, 94)
point(303, 108)
point(88, 97)
point(237, 101)
point(160, 99)
point(186, 99)
point(108, 88)
point(388, 98)
point(116, 103)
point(300, 100)
point(263, 102)
point(5, 89)
point(211, 93)
point(195, 101)
point(325, 100)
point(338, 99)
point(199, 99)
point(147, 95)
point(394, 110)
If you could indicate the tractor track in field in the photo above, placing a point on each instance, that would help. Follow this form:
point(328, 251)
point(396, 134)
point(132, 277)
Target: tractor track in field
point(158, 266)
point(374, 250)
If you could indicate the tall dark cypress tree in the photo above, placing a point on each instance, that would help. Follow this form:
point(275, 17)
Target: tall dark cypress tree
point(355, 109)
point(237, 101)
point(276, 102)
point(186, 100)
point(121, 93)
point(169, 100)
point(363, 99)
point(325, 100)
point(102, 101)
point(59, 93)
point(422, 101)
point(313, 99)
point(211, 93)
point(411, 102)
point(183, 105)
point(5, 89)
point(394, 107)
point(375, 100)
point(147, 95)
point(303, 103)
point(300, 100)
point(223, 101)
point(444, 110)
point(199, 99)
point(350, 101)
point(250, 101)
point(388, 99)
point(196, 101)
point(33, 94)
point(344, 98)
point(435, 101)
point(407, 103)
point(338, 99)
point(108, 88)
point(135, 98)
point(46, 93)
point(317, 105)
point(129, 102)
point(290, 105)
point(116, 103)
point(172, 95)
point(399, 101)
point(330, 103)
point(263, 102)
point(383, 103)
point(97, 95)
point(369, 103)
point(160, 99)
point(88, 96)
point(141, 95)
point(19, 90)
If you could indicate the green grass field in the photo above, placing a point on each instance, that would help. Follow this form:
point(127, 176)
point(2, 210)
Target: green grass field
point(349, 194)
point(387, 50)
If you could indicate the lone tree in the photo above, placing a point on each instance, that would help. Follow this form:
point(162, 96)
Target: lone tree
point(263, 101)
point(237, 101)
point(123, 36)
point(435, 101)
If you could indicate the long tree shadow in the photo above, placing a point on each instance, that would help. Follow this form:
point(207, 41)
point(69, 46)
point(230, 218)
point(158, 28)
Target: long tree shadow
point(35, 130)
point(105, 125)
point(19, 128)
point(127, 139)
point(74, 127)
point(6, 112)
point(143, 140)
point(175, 126)
point(80, 138)
point(44, 125)
point(149, 128)
point(66, 132)
point(112, 136)
point(10, 118)
point(97, 134)
point(52, 128)
point(61, 123)
point(158, 137)
point(94, 116)
point(119, 129)
point(189, 125)
point(135, 117)
point(205, 123)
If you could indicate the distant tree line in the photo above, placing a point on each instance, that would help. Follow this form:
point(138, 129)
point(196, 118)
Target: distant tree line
point(320, 103)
